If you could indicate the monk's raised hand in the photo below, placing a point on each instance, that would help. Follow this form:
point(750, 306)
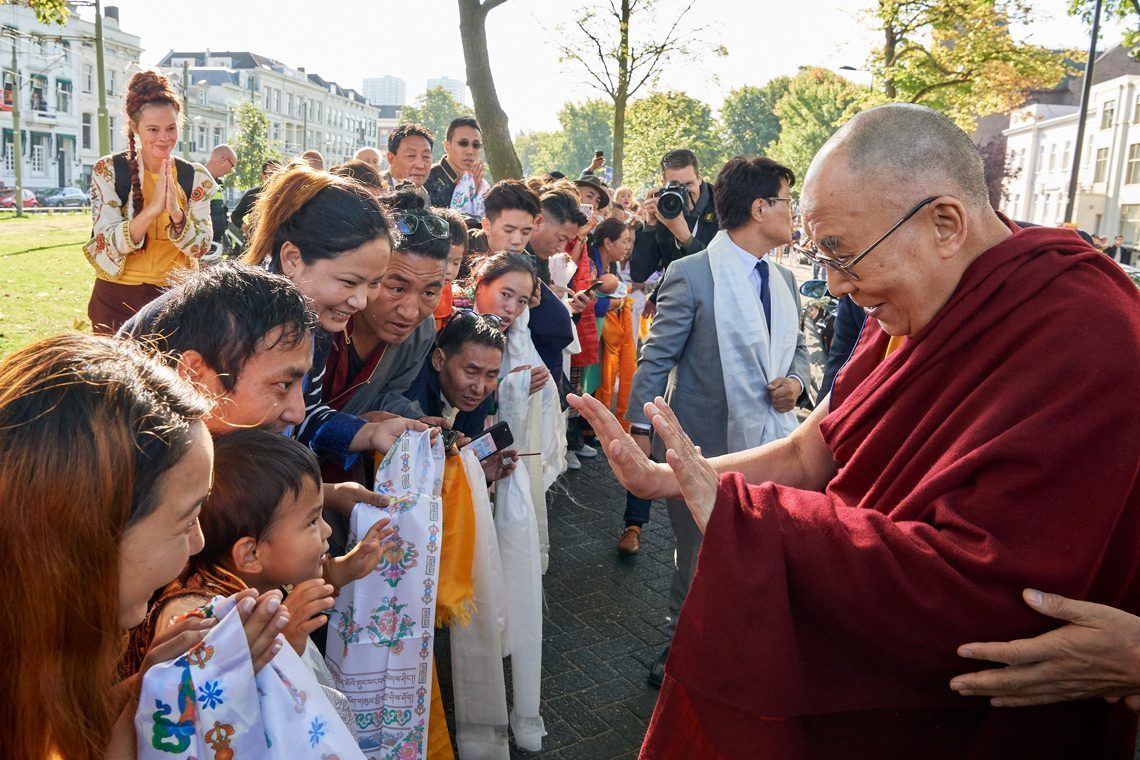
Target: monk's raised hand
point(696, 477)
point(632, 467)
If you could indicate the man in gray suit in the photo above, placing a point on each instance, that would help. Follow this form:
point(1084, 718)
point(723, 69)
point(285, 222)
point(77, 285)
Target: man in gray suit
point(725, 349)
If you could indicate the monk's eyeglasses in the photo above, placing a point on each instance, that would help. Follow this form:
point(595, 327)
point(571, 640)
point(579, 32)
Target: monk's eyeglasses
point(811, 251)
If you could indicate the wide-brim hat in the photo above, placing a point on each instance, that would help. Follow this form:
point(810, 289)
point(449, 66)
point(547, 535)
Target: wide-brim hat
point(598, 185)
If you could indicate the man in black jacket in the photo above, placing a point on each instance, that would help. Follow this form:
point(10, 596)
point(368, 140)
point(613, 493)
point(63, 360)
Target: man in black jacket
point(663, 241)
point(462, 148)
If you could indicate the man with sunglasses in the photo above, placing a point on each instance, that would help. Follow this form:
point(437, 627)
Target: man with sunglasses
point(967, 452)
point(462, 156)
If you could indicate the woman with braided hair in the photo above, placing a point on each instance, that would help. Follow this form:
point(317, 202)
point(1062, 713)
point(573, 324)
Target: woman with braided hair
point(151, 210)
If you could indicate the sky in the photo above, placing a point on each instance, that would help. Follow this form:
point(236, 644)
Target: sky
point(419, 39)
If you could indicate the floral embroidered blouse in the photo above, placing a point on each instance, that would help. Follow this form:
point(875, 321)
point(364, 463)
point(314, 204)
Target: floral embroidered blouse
point(110, 247)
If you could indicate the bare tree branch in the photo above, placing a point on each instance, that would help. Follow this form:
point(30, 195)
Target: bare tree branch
point(490, 5)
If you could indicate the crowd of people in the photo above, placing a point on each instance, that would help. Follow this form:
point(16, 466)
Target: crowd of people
point(222, 432)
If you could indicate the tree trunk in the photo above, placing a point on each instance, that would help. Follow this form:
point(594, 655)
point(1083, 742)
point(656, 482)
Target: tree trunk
point(621, 97)
point(890, 45)
point(502, 161)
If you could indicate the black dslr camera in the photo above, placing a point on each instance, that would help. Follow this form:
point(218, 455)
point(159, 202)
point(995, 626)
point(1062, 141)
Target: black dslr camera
point(673, 200)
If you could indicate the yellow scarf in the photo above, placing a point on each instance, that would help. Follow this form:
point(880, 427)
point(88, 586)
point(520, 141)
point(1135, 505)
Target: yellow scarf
point(454, 598)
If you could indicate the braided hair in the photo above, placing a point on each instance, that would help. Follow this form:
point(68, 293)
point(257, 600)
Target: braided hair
point(145, 88)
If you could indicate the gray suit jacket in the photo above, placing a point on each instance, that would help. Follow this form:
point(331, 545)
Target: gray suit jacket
point(397, 369)
point(681, 359)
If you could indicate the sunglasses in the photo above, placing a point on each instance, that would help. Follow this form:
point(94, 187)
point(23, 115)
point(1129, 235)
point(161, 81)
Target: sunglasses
point(437, 227)
point(468, 315)
point(464, 143)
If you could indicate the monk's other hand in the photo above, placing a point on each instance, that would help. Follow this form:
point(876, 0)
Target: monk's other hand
point(697, 478)
point(631, 465)
point(1096, 655)
point(784, 392)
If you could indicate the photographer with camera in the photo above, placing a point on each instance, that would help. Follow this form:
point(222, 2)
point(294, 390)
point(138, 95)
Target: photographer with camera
point(681, 217)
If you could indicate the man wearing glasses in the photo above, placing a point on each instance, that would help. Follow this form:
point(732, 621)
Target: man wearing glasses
point(967, 452)
point(222, 161)
point(460, 168)
point(726, 347)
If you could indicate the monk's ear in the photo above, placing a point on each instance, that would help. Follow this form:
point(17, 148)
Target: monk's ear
point(244, 555)
point(951, 224)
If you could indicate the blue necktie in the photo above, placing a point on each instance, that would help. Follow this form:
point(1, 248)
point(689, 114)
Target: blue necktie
point(765, 291)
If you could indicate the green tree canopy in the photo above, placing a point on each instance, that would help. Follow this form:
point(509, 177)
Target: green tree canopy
point(749, 117)
point(666, 121)
point(435, 109)
point(588, 127)
point(47, 11)
point(541, 152)
point(817, 103)
point(252, 145)
point(1121, 9)
point(957, 56)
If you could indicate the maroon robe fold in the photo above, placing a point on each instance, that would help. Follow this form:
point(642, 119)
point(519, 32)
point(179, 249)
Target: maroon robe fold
point(996, 450)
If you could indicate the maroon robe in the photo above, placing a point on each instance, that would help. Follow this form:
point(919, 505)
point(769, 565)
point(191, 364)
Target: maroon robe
point(996, 450)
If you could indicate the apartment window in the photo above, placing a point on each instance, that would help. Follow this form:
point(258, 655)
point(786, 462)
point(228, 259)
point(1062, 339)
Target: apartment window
point(1133, 170)
point(1130, 222)
point(217, 136)
point(1107, 111)
point(1040, 157)
point(201, 138)
point(63, 96)
point(277, 101)
point(1067, 155)
point(1136, 111)
point(289, 103)
point(1052, 156)
point(87, 79)
point(86, 131)
point(268, 98)
point(1100, 171)
point(39, 92)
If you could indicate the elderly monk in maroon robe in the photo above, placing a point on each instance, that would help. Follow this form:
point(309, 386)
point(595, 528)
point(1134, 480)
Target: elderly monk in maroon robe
point(982, 439)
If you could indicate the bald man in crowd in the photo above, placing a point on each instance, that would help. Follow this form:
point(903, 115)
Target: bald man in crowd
point(369, 156)
point(967, 451)
point(222, 161)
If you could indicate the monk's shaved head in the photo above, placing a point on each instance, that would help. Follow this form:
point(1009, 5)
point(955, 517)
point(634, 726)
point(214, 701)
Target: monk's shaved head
point(900, 146)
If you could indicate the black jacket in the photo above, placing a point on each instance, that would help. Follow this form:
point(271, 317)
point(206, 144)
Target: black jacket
point(656, 248)
point(849, 320)
point(440, 184)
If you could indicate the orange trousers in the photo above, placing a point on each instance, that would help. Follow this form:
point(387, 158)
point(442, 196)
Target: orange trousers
point(619, 360)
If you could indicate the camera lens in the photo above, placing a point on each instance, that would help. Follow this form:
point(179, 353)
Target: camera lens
point(670, 204)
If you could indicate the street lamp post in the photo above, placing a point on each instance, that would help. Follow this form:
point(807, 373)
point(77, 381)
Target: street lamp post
point(102, 116)
point(17, 140)
point(1084, 112)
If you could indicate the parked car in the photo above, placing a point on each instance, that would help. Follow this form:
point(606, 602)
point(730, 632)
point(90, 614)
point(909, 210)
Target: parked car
point(8, 198)
point(43, 193)
point(68, 196)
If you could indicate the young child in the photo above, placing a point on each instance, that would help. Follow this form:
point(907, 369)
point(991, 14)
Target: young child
point(263, 529)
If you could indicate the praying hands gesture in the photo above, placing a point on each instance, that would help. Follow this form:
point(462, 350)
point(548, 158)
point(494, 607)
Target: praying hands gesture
point(697, 478)
point(630, 462)
point(163, 199)
point(1096, 655)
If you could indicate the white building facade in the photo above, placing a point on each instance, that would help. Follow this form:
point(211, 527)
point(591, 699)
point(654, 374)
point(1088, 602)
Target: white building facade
point(306, 112)
point(59, 95)
point(1040, 141)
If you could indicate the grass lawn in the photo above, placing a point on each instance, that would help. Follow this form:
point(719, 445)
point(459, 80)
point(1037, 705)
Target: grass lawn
point(45, 280)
